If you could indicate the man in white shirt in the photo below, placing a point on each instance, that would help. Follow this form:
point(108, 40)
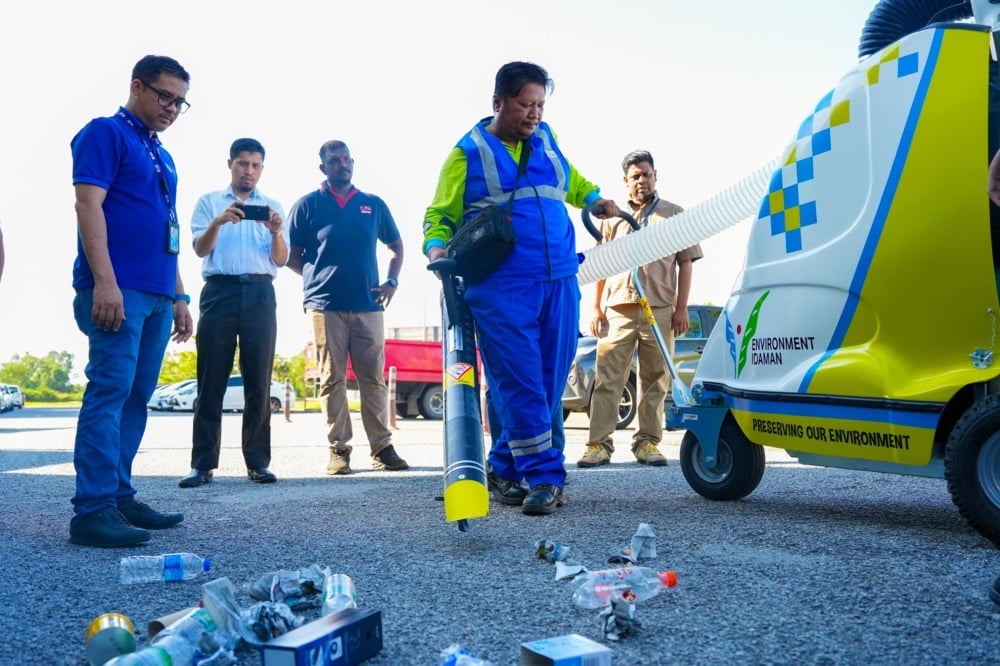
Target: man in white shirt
point(240, 235)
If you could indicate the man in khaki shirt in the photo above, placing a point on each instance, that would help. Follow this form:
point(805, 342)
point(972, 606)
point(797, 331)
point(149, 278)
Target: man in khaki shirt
point(622, 327)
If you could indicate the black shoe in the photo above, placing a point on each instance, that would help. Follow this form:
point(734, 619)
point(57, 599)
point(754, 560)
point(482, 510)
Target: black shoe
point(105, 529)
point(388, 459)
point(543, 499)
point(995, 592)
point(505, 491)
point(196, 478)
point(142, 515)
point(262, 475)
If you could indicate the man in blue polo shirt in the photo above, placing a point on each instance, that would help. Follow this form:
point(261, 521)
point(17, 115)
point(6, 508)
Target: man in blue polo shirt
point(128, 294)
point(334, 232)
point(240, 259)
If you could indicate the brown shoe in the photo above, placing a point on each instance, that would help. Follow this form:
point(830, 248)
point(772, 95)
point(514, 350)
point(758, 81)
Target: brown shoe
point(646, 453)
point(596, 455)
point(340, 461)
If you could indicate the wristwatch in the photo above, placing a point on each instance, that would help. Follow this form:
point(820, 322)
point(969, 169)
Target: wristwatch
point(182, 297)
point(392, 282)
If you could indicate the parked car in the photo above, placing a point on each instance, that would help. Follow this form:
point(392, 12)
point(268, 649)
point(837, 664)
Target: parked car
point(16, 396)
point(160, 400)
point(687, 353)
point(183, 399)
point(5, 400)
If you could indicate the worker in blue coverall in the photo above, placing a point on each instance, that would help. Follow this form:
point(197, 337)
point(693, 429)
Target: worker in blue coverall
point(527, 312)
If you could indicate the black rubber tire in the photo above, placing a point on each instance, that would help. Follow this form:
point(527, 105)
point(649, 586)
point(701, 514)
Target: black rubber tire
point(275, 405)
point(431, 402)
point(627, 406)
point(738, 470)
point(972, 467)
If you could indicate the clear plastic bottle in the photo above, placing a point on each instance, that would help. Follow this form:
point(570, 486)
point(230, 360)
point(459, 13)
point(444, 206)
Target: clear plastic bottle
point(594, 589)
point(174, 651)
point(338, 593)
point(170, 567)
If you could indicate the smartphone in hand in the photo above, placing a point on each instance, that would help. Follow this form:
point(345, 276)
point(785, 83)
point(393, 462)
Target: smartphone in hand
point(256, 212)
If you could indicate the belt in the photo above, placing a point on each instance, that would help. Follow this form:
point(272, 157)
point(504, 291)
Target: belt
point(240, 279)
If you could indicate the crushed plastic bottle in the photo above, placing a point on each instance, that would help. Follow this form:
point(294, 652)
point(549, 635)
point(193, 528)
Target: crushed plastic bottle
point(594, 589)
point(170, 567)
point(191, 640)
point(172, 651)
point(338, 593)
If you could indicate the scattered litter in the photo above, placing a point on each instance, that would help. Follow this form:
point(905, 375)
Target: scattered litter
point(618, 620)
point(552, 551)
point(456, 655)
point(644, 543)
point(219, 598)
point(623, 556)
point(270, 619)
point(298, 589)
point(110, 635)
point(569, 570)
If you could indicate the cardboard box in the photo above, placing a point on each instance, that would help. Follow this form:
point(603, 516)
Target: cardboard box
point(345, 638)
point(571, 650)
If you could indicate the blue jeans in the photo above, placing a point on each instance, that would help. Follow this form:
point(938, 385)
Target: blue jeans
point(122, 371)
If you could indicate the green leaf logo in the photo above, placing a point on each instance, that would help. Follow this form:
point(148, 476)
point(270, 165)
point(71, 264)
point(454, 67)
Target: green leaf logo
point(749, 333)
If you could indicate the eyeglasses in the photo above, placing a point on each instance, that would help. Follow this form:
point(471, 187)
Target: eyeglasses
point(167, 100)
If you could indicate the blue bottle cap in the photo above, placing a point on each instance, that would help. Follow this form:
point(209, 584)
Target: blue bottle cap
point(206, 564)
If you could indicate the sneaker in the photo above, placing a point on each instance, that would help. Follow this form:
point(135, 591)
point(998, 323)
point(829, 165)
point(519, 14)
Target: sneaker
point(340, 461)
point(505, 491)
point(105, 529)
point(596, 455)
point(388, 459)
point(646, 453)
point(543, 499)
point(139, 514)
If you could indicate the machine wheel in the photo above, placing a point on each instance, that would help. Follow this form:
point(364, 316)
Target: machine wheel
point(972, 467)
point(431, 402)
point(738, 469)
point(275, 405)
point(627, 406)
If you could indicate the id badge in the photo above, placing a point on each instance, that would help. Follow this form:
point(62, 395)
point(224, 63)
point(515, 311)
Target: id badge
point(173, 235)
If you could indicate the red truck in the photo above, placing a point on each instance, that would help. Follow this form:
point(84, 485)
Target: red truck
point(418, 366)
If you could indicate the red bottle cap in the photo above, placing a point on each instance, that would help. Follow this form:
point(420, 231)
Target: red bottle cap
point(668, 578)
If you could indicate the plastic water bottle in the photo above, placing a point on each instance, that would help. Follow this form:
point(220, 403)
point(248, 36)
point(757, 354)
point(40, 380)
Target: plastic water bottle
point(338, 593)
point(594, 589)
point(171, 651)
point(171, 567)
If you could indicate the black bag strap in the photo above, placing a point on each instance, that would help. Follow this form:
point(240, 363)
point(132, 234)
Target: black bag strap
point(522, 168)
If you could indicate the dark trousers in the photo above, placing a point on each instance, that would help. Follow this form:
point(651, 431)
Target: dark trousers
point(234, 312)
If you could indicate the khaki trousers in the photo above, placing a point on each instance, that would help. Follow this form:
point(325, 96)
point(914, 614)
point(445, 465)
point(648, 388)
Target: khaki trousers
point(627, 331)
point(360, 336)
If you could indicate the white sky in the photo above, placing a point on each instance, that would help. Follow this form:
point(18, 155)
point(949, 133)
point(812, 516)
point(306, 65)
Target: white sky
point(714, 89)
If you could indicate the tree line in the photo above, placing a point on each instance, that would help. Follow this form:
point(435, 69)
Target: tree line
point(49, 378)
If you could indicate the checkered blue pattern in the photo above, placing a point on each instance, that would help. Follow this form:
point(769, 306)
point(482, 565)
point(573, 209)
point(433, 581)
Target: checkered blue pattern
point(790, 205)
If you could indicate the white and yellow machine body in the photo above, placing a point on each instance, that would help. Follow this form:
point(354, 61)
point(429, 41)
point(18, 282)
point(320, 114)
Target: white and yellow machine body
point(868, 302)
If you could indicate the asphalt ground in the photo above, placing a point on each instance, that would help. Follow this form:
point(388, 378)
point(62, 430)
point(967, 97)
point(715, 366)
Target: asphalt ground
point(817, 566)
